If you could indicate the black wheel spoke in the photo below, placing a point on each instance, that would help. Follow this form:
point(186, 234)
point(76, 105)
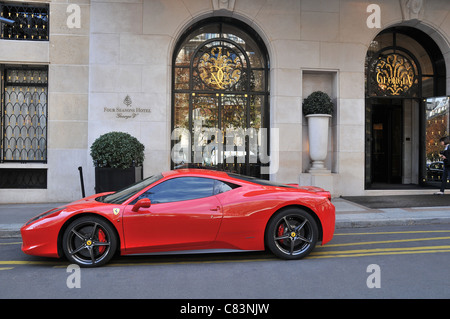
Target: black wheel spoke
point(285, 236)
point(287, 223)
point(292, 247)
point(91, 253)
point(83, 246)
point(93, 230)
point(299, 227)
point(304, 239)
point(78, 235)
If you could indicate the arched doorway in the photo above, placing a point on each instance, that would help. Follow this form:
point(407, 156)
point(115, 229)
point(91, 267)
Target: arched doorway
point(220, 97)
point(404, 69)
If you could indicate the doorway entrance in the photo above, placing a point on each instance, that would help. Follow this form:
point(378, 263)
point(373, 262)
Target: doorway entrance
point(404, 67)
point(220, 98)
point(387, 146)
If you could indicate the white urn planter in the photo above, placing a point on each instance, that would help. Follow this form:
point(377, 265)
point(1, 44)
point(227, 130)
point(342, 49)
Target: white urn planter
point(318, 125)
point(317, 108)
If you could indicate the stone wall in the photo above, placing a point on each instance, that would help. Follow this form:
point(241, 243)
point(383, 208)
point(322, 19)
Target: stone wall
point(123, 48)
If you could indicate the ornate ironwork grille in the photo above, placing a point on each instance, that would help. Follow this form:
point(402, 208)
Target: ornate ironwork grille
point(394, 73)
point(220, 113)
point(19, 178)
point(24, 115)
point(30, 21)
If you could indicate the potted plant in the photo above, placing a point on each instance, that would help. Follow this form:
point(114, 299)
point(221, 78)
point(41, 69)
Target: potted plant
point(318, 109)
point(118, 159)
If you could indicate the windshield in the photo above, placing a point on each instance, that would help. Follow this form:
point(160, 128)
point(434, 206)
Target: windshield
point(122, 195)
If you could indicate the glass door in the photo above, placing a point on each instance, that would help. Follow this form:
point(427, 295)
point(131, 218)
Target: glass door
point(436, 126)
point(225, 132)
point(387, 146)
point(234, 129)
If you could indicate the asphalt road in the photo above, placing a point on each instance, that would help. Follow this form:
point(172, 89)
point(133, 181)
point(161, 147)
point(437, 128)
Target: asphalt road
point(378, 262)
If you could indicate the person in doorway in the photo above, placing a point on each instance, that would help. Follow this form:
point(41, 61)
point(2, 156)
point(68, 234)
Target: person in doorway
point(445, 156)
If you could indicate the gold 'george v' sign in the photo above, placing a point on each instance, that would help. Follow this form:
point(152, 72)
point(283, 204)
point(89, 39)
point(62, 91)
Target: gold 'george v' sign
point(394, 74)
point(220, 68)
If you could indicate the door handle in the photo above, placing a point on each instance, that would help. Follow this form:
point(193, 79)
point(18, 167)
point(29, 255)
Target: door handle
point(215, 209)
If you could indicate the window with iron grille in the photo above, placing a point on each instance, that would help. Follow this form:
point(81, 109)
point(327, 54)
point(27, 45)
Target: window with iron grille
point(23, 178)
point(22, 21)
point(24, 114)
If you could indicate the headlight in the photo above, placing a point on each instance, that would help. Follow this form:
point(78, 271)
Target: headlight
point(43, 215)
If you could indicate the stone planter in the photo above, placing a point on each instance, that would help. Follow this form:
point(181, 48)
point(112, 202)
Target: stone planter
point(318, 126)
point(109, 179)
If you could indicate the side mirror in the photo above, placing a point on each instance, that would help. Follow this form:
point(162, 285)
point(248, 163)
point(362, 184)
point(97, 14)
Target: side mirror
point(142, 203)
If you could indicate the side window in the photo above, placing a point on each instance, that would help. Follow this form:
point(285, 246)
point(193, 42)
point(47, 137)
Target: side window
point(222, 187)
point(180, 189)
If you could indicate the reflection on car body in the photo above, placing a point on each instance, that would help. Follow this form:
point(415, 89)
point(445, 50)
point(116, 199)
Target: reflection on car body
point(434, 171)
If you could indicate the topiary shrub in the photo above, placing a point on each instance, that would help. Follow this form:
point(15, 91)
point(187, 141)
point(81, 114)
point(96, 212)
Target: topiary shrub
point(117, 150)
point(318, 102)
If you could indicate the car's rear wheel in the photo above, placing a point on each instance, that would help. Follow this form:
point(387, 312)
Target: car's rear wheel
point(89, 241)
point(292, 234)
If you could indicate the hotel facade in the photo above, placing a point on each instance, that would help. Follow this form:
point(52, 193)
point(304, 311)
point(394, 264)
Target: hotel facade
point(227, 79)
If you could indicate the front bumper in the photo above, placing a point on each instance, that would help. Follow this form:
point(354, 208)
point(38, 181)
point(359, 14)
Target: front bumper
point(39, 241)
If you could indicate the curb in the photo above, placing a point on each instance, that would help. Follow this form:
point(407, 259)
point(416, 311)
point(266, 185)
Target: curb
point(10, 231)
point(391, 222)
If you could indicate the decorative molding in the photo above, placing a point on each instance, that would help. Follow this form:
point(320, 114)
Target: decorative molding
point(412, 9)
point(223, 4)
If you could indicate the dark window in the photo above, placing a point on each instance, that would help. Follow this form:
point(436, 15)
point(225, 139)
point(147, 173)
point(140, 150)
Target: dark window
point(222, 187)
point(24, 114)
point(24, 21)
point(23, 178)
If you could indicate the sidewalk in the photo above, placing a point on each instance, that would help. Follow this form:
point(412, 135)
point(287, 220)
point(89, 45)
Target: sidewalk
point(349, 214)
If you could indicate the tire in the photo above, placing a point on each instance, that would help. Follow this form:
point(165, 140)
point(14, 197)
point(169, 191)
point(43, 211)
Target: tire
point(89, 241)
point(291, 234)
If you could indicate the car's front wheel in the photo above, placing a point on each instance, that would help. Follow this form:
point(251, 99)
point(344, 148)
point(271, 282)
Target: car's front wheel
point(89, 241)
point(292, 233)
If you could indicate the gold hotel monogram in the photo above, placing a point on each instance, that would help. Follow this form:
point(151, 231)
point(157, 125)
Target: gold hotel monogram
point(395, 74)
point(219, 70)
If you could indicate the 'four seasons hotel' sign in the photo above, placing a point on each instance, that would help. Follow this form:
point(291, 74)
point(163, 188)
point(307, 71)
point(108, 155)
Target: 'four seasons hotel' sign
point(394, 74)
point(127, 112)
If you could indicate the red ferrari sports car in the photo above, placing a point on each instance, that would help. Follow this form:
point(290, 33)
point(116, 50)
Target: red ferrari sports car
point(187, 209)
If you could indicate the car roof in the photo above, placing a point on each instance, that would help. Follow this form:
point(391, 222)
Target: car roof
point(196, 172)
point(231, 177)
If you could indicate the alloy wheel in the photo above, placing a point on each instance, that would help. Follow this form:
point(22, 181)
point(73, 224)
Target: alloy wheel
point(292, 234)
point(89, 242)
